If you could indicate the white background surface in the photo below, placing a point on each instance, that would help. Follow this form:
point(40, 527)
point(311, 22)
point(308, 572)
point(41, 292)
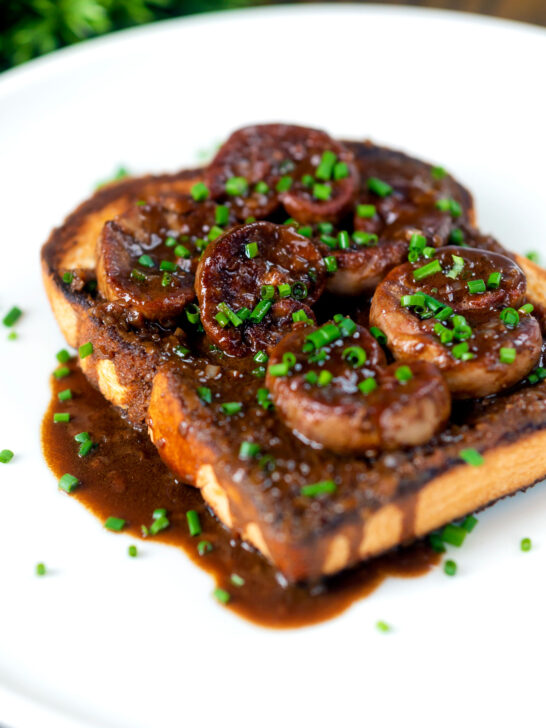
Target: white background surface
point(120, 643)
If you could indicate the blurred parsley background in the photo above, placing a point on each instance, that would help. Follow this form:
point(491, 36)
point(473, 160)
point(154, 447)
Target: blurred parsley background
point(29, 28)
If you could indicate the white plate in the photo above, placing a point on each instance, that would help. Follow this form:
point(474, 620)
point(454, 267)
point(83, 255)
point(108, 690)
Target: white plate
point(108, 641)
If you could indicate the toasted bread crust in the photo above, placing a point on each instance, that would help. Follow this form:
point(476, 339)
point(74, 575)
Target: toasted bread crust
point(132, 376)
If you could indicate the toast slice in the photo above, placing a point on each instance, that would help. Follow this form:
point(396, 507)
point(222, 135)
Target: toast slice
point(380, 502)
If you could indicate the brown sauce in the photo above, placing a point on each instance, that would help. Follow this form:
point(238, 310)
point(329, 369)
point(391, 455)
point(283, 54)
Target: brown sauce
point(124, 477)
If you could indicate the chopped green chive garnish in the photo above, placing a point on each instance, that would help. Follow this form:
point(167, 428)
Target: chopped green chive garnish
point(61, 417)
point(355, 355)
point(453, 534)
point(365, 211)
point(68, 277)
point(68, 482)
point(449, 205)
point(12, 336)
point(525, 544)
point(526, 308)
point(458, 267)
point(444, 334)
point(62, 356)
point(471, 456)
point(383, 626)
point(259, 311)
point(323, 336)
point(477, 286)
point(306, 231)
point(221, 595)
point(456, 236)
point(427, 270)
point(85, 448)
point(331, 263)
point(182, 252)
point(378, 187)
point(307, 180)
point(326, 165)
point(460, 351)
point(214, 233)
point(533, 256)
point(159, 513)
point(199, 191)
point(251, 250)
point(279, 370)
point(166, 279)
point(40, 570)
point(61, 372)
point(469, 523)
point(403, 373)
point(85, 350)
point(267, 292)
point(235, 319)
point(204, 547)
point(436, 543)
point(6, 456)
point(284, 184)
point(141, 203)
point(204, 394)
point(262, 188)
point(231, 408)
point(341, 171)
point(263, 398)
point(194, 524)
point(413, 299)
point(301, 316)
point(324, 378)
point(510, 316)
point(285, 289)
point(493, 282)
point(146, 261)
point(378, 334)
point(65, 395)
point(114, 524)
point(438, 172)
point(167, 265)
point(299, 290)
point(160, 524)
point(260, 357)
point(450, 568)
point(181, 351)
point(322, 191)
point(132, 551)
point(82, 437)
point(367, 385)
point(315, 489)
point(362, 238)
point(329, 240)
point(237, 580)
point(237, 186)
point(137, 275)
point(170, 242)
point(248, 450)
point(507, 355)
point(221, 214)
point(343, 240)
point(12, 316)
